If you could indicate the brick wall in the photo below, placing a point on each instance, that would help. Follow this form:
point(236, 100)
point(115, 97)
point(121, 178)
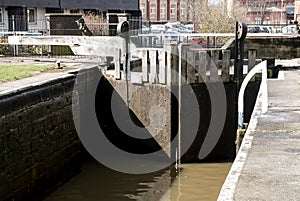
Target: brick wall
point(39, 146)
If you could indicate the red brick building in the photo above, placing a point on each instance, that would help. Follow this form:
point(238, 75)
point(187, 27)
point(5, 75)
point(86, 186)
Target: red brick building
point(161, 11)
point(267, 11)
point(297, 10)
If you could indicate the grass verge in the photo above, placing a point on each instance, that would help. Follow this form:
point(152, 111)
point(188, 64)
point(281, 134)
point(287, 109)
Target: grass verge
point(16, 72)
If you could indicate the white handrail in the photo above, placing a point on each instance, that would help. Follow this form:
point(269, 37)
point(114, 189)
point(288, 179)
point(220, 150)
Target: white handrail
point(261, 67)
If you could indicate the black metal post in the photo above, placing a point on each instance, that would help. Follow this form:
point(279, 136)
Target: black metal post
point(240, 35)
point(236, 51)
point(123, 30)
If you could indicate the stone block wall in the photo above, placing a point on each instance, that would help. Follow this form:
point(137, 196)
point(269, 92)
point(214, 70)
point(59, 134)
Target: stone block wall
point(39, 146)
point(278, 48)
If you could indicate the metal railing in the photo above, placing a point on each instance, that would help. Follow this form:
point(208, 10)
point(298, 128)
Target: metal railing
point(197, 40)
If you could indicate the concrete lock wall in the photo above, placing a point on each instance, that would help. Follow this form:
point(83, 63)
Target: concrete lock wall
point(143, 98)
point(279, 48)
point(150, 107)
point(224, 150)
point(39, 146)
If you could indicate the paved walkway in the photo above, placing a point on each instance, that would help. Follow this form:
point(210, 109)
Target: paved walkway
point(268, 165)
point(30, 81)
point(272, 170)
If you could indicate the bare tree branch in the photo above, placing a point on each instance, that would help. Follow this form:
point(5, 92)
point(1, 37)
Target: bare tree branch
point(217, 18)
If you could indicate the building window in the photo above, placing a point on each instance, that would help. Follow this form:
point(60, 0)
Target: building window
point(31, 12)
point(143, 9)
point(153, 11)
point(257, 20)
point(183, 11)
point(173, 11)
point(163, 11)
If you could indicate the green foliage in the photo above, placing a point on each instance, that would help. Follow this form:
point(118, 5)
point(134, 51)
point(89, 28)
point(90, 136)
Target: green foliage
point(4, 49)
point(16, 72)
point(61, 50)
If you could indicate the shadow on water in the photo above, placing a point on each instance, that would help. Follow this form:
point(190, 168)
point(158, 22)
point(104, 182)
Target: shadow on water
point(96, 182)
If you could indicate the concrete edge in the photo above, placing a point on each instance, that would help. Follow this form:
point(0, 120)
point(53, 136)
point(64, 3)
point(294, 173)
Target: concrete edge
point(229, 186)
point(36, 84)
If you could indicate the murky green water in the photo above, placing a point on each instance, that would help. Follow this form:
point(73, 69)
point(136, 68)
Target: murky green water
point(96, 182)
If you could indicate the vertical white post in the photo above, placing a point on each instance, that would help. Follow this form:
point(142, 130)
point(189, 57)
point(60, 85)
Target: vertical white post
point(145, 69)
point(169, 66)
point(153, 66)
point(162, 67)
point(16, 52)
point(117, 61)
point(264, 88)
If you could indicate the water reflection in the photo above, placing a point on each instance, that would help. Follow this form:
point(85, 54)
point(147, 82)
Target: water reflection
point(198, 182)
point(96, 182)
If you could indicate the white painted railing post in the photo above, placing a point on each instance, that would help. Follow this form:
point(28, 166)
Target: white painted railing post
point(261, 67)
point(264, 88)
point(117, 61)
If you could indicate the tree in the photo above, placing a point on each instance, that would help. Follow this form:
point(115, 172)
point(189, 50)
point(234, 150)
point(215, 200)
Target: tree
point(217, 18)
point(195, 13)
point(96, 24)
point(259, 8)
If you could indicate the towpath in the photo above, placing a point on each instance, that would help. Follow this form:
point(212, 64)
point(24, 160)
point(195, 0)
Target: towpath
point(268, 165)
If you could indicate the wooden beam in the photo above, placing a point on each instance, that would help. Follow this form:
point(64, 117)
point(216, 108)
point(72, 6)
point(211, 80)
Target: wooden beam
point(145, 67)
point(153, 77)
point(213, 65)
point(172, 63)
point(203, 63)
point(162, 66)
point(117, 61)
point(191, 67)
point(225, 65)
point(183, 49)
point(80, 45)
point(251, 59)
